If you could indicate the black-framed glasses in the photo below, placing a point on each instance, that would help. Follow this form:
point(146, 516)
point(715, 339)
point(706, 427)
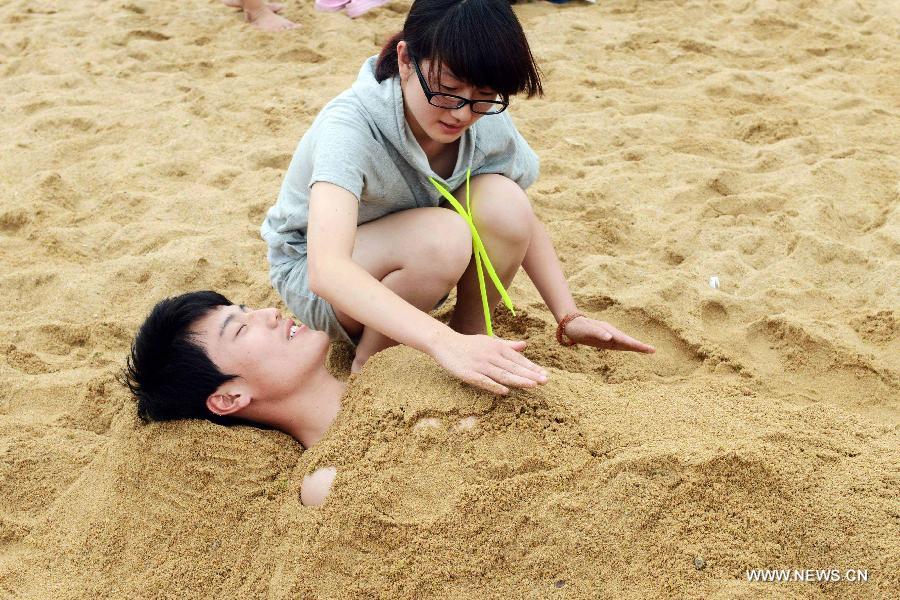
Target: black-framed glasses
point(450, 101)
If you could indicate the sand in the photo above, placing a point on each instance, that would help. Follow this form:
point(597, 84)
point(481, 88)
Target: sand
point(142, 143)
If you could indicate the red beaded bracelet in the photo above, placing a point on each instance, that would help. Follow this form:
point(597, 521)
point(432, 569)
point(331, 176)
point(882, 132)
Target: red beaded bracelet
point(561, 330)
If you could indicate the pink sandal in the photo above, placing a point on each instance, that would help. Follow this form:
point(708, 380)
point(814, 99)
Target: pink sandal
point(331, 5)
point(357, 8)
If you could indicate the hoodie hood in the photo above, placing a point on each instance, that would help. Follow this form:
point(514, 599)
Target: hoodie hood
point(382, 103)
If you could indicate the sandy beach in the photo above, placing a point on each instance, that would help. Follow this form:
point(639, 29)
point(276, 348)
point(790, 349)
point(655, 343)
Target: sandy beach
point(753, 141)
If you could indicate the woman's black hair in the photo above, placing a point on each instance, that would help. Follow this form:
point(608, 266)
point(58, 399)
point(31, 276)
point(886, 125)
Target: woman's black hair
point(168, 372)
point(480, 41)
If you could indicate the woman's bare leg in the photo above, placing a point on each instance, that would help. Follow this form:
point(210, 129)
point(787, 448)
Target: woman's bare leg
point(504, 220)
point(419, 254)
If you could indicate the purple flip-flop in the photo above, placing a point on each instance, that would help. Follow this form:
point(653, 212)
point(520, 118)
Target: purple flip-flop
point(357, 8)
point(331, 5)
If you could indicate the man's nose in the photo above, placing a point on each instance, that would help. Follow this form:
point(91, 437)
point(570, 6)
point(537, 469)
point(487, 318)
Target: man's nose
point(267, 316)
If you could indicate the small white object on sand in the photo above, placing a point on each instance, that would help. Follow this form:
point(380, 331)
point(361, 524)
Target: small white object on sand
point(315, 486)
point(714, 282)
point(467, 423)
point(428, 422)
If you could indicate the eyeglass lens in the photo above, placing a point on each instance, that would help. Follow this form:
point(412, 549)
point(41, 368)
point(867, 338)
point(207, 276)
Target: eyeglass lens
point(444, 101)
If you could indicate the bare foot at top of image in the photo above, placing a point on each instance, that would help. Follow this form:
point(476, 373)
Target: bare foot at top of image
point(275, 7)
point(262, 15)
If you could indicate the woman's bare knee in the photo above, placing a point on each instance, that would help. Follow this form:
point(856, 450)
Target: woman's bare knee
point(433, 245)
point(501, 209)
point(408, 237)
point(447, 246)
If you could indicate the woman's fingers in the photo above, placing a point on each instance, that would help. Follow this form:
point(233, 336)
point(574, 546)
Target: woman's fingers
point(504, 377)
point(626, 342)
point(517, 344)
point(486, 383)
point(498, 378)
point(529, 371)
point(511, 369)
point(492, 364)
point(522, 360)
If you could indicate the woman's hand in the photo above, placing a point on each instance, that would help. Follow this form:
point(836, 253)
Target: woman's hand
point(600, 334)
point(490, 363)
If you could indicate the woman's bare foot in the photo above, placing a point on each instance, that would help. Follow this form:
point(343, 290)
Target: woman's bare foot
point(275, 7)
point(359, 360)
point(315, 486)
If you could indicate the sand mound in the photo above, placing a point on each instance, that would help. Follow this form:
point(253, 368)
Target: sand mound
point(617, 488)
point(754, 141)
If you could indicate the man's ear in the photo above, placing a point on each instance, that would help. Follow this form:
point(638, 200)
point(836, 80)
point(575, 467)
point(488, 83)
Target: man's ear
point(227, 401)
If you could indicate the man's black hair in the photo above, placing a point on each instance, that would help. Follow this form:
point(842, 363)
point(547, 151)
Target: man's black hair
point(168, 372)
point(481, 41)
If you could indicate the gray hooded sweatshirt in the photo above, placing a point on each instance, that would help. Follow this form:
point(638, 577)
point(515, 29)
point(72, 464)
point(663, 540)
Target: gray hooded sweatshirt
point(362, 143)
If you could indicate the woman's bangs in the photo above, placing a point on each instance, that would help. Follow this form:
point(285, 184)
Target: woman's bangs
point(500, 66)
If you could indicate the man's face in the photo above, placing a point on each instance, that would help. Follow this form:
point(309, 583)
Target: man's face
point(272, 355)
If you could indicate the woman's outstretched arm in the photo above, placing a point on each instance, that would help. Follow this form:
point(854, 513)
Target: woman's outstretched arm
point(543, 267)
point(486, 362)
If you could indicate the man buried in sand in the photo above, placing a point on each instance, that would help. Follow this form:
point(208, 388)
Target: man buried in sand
point(198, 356)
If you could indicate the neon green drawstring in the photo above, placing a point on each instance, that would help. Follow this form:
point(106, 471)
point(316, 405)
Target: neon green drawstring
point(479, 251)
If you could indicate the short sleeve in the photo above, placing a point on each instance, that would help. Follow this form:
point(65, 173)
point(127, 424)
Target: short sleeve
point(527, 164)
point(341, 153)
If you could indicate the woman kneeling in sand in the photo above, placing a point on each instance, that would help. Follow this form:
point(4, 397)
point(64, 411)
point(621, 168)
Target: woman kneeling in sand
point(359, 242)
